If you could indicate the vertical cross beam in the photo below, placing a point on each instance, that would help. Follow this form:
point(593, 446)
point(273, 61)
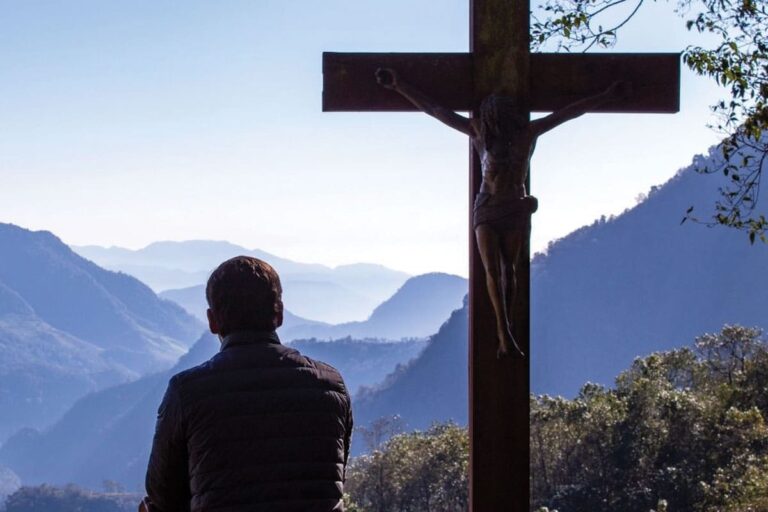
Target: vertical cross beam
point(498, 388)
point(500, 62)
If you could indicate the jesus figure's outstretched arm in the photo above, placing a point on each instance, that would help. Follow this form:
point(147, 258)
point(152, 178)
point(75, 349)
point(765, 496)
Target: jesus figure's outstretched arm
point(577, 108)
point(388, 78)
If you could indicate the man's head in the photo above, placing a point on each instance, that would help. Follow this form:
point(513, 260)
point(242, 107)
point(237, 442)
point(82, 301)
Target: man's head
point(244, 293)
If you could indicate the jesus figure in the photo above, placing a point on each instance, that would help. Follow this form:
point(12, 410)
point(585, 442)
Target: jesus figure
point(504, 139)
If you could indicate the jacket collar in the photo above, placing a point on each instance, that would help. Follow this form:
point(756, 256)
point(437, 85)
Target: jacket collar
point(248, 337)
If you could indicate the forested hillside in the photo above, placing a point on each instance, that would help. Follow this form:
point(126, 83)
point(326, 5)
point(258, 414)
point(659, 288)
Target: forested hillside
point(684, 429)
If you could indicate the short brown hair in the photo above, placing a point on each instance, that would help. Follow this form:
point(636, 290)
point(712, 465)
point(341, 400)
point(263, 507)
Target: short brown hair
point(245, 293)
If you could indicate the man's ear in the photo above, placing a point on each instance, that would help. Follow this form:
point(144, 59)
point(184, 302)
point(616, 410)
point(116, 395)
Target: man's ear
point(279, 319)
point(213, 325)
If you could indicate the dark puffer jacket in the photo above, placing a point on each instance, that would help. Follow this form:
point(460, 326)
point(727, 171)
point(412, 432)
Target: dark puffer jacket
point(258, 427)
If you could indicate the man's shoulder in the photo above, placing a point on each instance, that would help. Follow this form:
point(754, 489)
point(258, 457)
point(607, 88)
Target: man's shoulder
point(183, 376)
point(325, 370)
point(291, 360)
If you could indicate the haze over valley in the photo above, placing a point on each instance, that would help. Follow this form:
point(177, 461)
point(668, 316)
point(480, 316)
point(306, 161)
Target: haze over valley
point(317, 292)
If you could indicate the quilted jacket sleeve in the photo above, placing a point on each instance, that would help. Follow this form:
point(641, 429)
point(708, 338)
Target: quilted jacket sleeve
point(348, 435)
point(167, 479)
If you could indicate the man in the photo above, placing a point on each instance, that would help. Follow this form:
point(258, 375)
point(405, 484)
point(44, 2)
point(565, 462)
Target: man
point(258, 427)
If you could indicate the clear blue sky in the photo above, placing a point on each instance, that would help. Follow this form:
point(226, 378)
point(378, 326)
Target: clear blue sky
point(125, 122)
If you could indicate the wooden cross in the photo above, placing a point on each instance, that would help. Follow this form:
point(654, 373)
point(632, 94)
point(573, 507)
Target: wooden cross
point(500, 62)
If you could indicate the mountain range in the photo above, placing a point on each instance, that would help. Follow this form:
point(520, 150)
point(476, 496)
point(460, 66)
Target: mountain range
point(107, 434)
point(318, 292)
point(68, 327)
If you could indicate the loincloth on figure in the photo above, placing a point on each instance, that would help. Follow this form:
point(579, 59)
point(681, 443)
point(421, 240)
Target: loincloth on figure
point(508, 214)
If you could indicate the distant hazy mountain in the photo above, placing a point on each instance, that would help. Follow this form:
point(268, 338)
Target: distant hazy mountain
point(329, 299)
point(111, 310)
point(319, 298)
point(189, 256)
point(417, 309)
point(341, 294)
point(193, 301)
point(362, 363)
point(431, 388)
point(107, 435)
point(68, 327)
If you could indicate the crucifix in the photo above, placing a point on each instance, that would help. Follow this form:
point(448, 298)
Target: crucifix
point(499, 65)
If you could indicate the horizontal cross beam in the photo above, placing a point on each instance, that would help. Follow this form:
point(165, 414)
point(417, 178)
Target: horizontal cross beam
point(557, 79)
